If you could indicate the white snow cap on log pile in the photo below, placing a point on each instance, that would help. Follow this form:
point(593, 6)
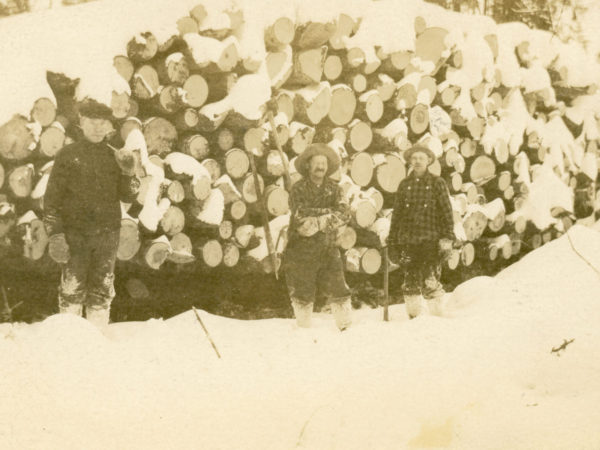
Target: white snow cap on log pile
point(183, 164)
point(206, 50)
point(101, 89)
point(40, 188)
point(154, 207)
point(557, 137)
point(276, 226)
point(249, 95)
point(381, 227)
point(537, 79)
point(543, 47)
point(585, 109)
point(212, 208)
point(477, 58)
point(494, 208)
point(582, 67)
point(516, 119)
point(546, 192)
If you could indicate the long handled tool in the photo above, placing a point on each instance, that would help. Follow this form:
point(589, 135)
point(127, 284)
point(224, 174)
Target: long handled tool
point(286, 171)
point(264, 214)
point(206, 332)
point(386, 285)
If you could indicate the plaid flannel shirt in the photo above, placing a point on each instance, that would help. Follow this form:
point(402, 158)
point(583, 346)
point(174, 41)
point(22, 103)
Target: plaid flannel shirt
point(422, 211)
point(310, 200)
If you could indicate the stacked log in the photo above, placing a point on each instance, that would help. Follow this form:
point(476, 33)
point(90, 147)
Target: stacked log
point(199, 203)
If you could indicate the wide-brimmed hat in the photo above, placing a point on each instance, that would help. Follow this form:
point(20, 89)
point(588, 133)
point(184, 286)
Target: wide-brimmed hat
point(419, 148)
point(333, 160)
point(94, 109)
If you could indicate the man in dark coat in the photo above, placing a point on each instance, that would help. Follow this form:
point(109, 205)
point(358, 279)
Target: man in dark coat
point(421, 232)
point(312, 261)
point(82, 215)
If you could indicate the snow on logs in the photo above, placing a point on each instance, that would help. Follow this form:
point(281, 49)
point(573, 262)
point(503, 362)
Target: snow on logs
point(498, 112)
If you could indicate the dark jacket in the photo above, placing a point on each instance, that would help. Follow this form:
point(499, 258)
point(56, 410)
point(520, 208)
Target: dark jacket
point(422, 211)
point(84, 190)
point(310, 200)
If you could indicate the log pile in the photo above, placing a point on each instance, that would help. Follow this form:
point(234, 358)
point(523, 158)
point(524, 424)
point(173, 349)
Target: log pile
point(200, 203)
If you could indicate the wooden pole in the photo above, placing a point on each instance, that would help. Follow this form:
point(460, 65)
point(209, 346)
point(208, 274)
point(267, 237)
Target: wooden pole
point(386, 283)
point(286, 173)
point(206, 332)
point(264, 214)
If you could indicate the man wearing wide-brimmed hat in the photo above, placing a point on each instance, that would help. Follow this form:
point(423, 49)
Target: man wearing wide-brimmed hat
point(421, 232)
point(82, 214)
point(312, 262)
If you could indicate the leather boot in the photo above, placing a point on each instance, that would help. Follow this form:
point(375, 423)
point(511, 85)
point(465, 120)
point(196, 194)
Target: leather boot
point(302, 312)
point(98, 315)
point(72, 308)
point(342, 313)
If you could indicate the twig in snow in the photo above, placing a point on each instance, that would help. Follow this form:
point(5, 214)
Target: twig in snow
point(580, 255)
point(562, 346)
point(206, 332)
point(306, 424)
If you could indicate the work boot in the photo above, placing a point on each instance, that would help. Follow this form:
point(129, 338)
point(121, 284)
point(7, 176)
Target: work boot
point(342, 313)
point(71, 308)
point(303, 313)
point(415, 305)
point(98, 315)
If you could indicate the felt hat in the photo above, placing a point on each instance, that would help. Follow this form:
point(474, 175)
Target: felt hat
point(94, 110)
point(302, 161)
point(419, 148)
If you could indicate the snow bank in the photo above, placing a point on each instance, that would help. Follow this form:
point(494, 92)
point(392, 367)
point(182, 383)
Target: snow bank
point(483, 376)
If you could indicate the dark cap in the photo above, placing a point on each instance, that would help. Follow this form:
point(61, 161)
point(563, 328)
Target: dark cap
point(94, 110)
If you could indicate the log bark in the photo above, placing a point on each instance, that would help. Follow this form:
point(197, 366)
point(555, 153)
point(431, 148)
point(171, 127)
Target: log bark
point(308, 66)
point(313, 34)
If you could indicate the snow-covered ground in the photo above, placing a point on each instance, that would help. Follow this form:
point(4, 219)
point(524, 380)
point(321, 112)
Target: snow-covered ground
point(481, 377)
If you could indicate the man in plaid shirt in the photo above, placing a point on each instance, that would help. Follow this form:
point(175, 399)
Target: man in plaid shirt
point(312, 262)
point(421, 232)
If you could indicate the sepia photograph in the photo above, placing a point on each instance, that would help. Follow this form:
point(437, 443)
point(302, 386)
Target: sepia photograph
point(299, 224)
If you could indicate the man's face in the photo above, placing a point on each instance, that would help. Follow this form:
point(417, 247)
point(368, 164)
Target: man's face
point(419, 162)
point(94, 129)
point(317, 166)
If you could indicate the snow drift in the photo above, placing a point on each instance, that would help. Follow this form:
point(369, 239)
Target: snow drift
point(482, 376)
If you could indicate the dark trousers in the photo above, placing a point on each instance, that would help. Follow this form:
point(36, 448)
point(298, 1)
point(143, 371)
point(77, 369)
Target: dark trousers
point(88, 277)
point(422, 268)
point(312, 269)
